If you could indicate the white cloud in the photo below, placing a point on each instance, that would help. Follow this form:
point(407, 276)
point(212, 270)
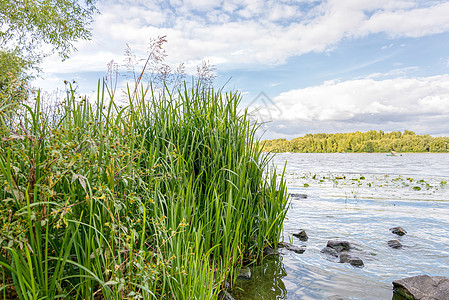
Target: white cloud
point(345, 100)
point(413, 23)
point(419, 104)
point(252, 31)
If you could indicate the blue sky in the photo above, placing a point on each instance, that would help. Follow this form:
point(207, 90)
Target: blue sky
point(323, 66)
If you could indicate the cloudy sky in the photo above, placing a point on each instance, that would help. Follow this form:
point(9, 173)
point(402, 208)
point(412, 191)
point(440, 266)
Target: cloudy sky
point(306, 66)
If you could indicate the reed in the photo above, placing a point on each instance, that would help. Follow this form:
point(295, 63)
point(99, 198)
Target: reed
point(162, 199)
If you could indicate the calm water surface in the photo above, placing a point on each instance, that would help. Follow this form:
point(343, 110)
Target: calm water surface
point(358, 197)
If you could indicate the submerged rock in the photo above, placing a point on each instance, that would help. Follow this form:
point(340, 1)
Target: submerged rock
point(398, 230)
point(340, 251)
point(352, 260)
point(292, 247)
point(395, 244)
point(345, 257)
point(224, 295)
point(268, 251)
point(302, 235)
point(339, 245)
point(298, 196)
point(422, 287)
point(329, 251)
point(245, 273)
point(356, 261)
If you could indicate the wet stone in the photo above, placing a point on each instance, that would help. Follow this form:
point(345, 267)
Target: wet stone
point(339, 245)
point(398, 230)
point(352, 260)
point(268, 251)
point(395, 244)
point(329, 251)
point(224, 295)
point(345, 257)
point(292, 247)
point(422, 287)
point(302, 235)
point(356, 262)
point(298, 196)
point(245, 273)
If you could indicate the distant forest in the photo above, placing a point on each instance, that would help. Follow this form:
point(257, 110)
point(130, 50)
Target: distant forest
point(371, 141)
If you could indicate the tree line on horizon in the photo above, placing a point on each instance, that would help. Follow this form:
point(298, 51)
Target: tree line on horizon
point(371, 141)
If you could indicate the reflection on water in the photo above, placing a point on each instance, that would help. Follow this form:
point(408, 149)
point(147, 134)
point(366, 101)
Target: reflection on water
point(358, 197)
point(266, 281)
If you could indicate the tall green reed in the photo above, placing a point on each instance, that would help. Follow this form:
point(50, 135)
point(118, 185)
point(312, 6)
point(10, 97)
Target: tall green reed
point(164, 198)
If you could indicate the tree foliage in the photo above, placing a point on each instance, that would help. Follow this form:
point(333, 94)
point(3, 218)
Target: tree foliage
point(31, 30)
point(13, 80)
point(371, 141)
point(26, 26)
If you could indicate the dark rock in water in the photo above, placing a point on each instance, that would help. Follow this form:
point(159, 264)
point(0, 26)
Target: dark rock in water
point(283, 244)
point(355, 261)
point(339, 245)
point(292, 247)
point(352, 260)
point(329, 251)
point(224, 295)
point(422, 287)
point(341, 250)
point(302, 235)
point(245, 273)
point(398, 230)
point(395, 244)
point(298, 196)
point(345, 257)
point(268, 251)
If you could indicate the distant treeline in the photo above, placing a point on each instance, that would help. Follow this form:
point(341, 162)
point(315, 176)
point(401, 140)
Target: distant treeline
point(371, 141)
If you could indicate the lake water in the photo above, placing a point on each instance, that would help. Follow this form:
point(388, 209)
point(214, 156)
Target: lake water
point(358, 198)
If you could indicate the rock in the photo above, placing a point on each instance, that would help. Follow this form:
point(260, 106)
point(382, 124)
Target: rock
point(341, 250)
point(395, 244)
point(302, 235)
point(224, 295)
point(293, 248)
point(345, 257)
point(283, 244)
point(245, 273)
point(299, 250)
point(352, 260)
point(329, 251)
point(339, 245)
point(268, 251)
point(398, 230)
point(298, 196)
point(356, 262)
point(422, 287)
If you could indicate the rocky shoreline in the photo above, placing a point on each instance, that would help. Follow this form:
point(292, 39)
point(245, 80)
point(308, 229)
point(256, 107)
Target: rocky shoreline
point(341, 251)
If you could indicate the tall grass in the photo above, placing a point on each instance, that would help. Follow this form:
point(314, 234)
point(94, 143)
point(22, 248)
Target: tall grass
point(163, 199)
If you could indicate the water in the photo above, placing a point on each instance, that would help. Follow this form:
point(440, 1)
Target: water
point(358, 198)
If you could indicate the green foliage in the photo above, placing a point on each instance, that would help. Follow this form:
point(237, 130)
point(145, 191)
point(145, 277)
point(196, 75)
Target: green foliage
point(158, 200)
point(13, 81)
point(31, 30)
point(27, 25)
point(371, 141)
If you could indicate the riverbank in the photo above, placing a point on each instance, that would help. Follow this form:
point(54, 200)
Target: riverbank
point(358, 142)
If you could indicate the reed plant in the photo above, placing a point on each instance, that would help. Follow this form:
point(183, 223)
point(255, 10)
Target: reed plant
point(164, 198)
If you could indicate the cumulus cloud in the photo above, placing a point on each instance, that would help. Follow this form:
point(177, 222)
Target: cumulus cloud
point(419, 104)
point(433, 19)
point(252, 31)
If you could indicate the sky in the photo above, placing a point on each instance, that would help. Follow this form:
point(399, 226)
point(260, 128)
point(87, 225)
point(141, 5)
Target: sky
point(301, 66)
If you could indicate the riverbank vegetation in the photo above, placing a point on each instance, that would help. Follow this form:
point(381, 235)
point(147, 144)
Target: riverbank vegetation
point(371, 141)
point(164, 198)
